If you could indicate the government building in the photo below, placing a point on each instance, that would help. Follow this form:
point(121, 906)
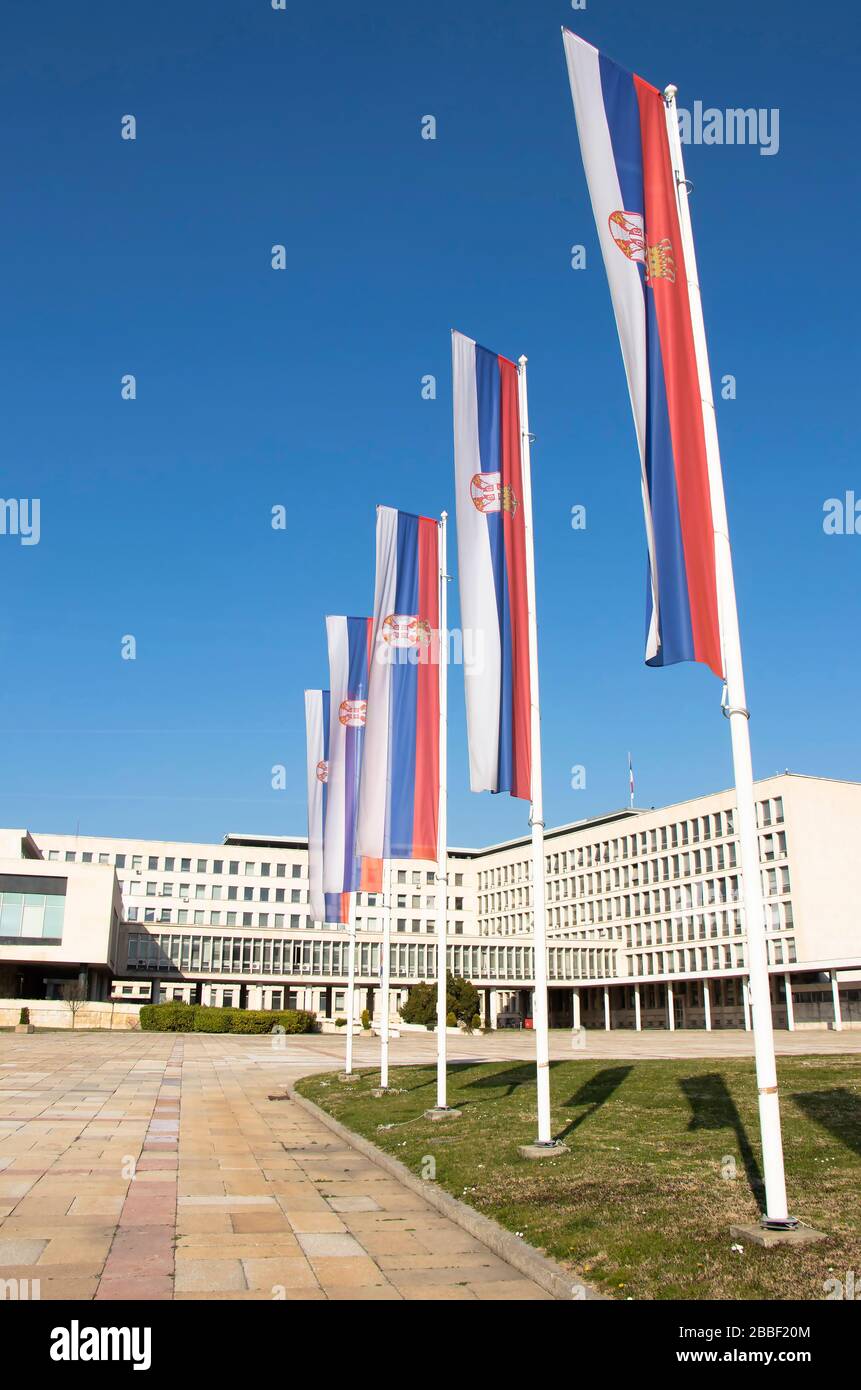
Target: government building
point(645, 921)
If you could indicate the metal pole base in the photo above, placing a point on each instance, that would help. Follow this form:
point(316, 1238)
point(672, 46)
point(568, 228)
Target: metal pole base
point(443, 1112)
point(779, 1223)
point(549, 1148)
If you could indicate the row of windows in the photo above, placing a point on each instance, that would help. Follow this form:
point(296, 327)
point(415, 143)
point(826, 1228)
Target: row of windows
point(279, 920)
point(414, 876)
point(173, 864)
point(681, 897)
point(199, 918)
point(217, 892)
point(714, 826)
point(644, 872)
point(271, 956)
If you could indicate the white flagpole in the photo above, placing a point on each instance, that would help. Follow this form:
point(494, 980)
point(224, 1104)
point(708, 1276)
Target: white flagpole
point(385, 973)
point(442, 848)
point(351, 981)
point(735, 708)
point(536, 815)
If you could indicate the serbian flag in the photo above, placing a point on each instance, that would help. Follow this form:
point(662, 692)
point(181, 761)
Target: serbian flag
point(325, 907)
point(622, 124)
point(399, 800)
point(491, 552)
point(344, 871)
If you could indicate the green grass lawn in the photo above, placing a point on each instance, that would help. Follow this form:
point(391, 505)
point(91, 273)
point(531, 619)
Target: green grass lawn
point(663, 1156)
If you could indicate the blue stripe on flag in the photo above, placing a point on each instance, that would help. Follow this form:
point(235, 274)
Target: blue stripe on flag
point(404, 701)
point(357, 689)
point(623, 119)
point(674, 612)
point(488, 397)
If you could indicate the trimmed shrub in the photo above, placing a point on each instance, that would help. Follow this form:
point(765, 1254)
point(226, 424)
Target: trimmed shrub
point(340, 1023)
point(450, 1021)
point(196, 1018)
point(366, 1020)
point(293, 1021)
point(24, 1017)
point(212, 1020)
point(174, 1017)
point(476, 1023)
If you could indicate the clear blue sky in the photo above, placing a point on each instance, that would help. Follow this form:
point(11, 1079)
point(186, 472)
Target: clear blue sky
point(303, 387)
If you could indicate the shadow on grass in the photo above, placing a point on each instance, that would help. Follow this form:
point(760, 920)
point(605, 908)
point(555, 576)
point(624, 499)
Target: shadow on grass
point(512, 1079)
point(712, 1107)
point(837, 1110)
point(592, 1095)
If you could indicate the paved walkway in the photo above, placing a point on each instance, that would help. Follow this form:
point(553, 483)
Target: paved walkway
point(150, 1166)
point(143, 1166)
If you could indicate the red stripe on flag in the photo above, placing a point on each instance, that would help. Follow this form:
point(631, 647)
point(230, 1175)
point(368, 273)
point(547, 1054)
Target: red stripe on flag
point(372, 875)
point(514, 534)
point(673, 313)
point(426, 805)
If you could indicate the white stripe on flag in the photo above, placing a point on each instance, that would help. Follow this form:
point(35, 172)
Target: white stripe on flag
point(315, 746)
point(478, 611)
point(335, 830)
point(374, 785)
point(626, 287)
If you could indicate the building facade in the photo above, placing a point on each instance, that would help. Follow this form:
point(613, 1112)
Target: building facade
point(645, 924)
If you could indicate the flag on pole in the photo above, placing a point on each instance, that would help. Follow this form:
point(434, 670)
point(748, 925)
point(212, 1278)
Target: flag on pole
point(491, 550)
point(622, 126)
point(325, 907)
point(631, 778)
point(344, 870)
point(399, 796)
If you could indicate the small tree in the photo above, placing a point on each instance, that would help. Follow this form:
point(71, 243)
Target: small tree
point(366, 1020)
point(462, 1001)
point(24, 1017)
point(74, 996)
point(420, 1006)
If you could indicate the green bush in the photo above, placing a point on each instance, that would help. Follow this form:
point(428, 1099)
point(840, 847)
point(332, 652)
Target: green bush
point(212, 1020)
point(476, 1022)
point(174, 1017)
point(196, 1018)
point(366, 1020)
point(462, 1000)
point(340, 1023)
point(293, 1021)
point(450, 1021)
point(24, 1016)
point(420, 1005)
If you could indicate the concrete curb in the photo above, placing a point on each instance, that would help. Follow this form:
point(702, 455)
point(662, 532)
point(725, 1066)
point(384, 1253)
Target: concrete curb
point(543, 1271)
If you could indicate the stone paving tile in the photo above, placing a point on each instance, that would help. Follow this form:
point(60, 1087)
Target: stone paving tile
point(20, 1251)
point(316, 1222)
point(141, 1167)
point(209, 1276)
point(329, 1245)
